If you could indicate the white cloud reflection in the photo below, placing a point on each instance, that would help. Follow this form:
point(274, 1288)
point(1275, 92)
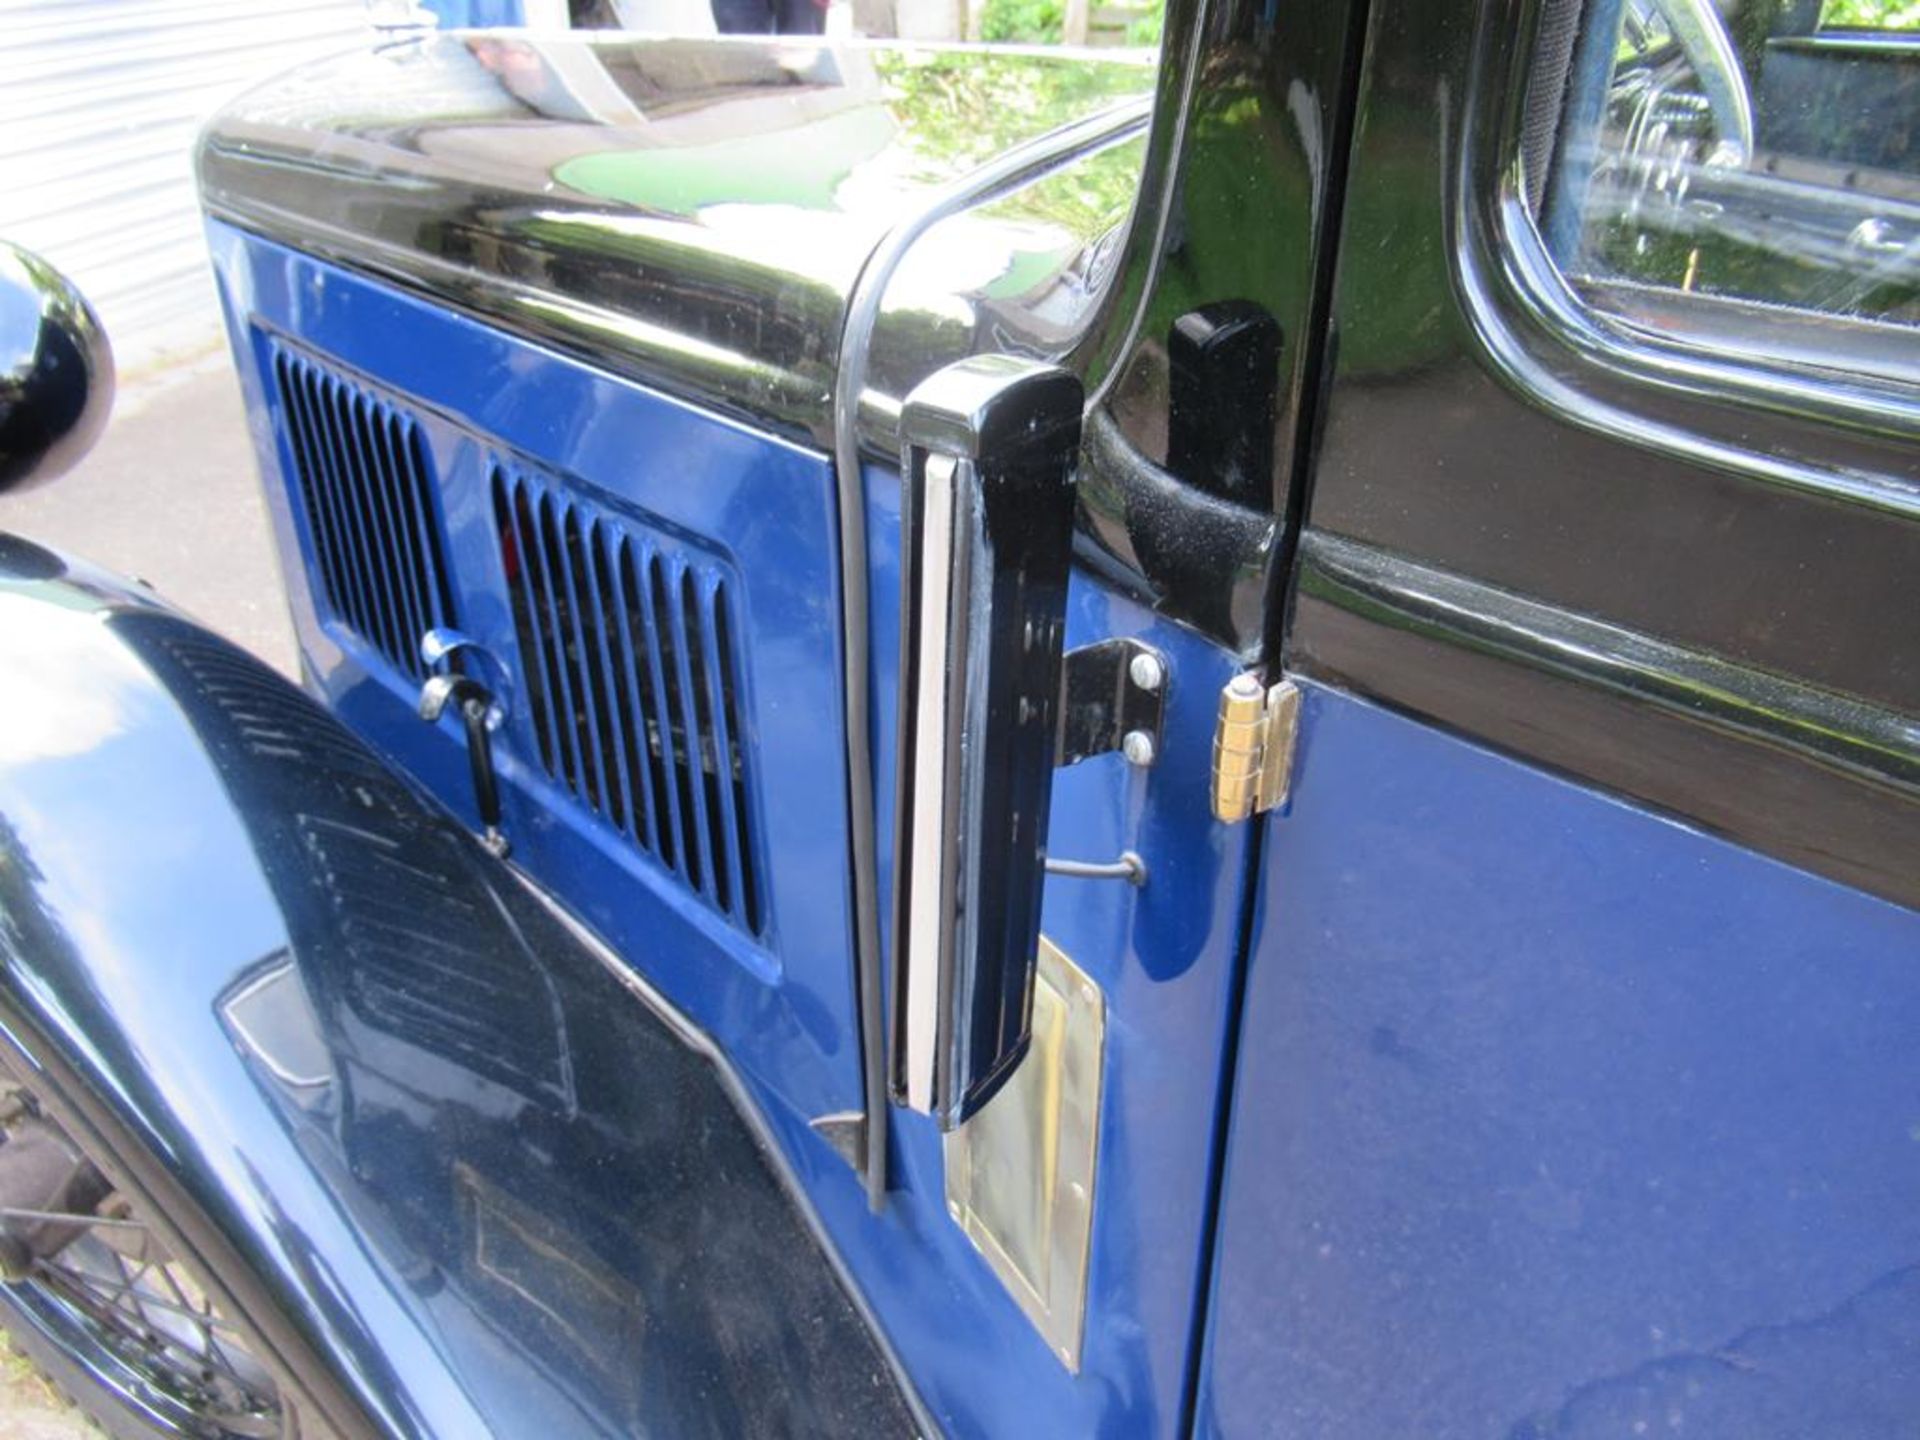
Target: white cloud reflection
point(63, 683)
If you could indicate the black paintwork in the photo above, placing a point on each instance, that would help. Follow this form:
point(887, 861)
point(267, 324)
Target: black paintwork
point(1241, 197)
point(608, 194)
point(1753, 521)
point(456, 1172)
point(1814, 777)
point(1203, 560)
point(1221, 362)
point(56, 370)
point(1017, 425)
point(1101, 701)
point(466, 169)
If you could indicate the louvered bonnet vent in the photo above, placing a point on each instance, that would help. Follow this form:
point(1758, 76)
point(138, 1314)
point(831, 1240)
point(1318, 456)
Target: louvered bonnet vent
point(366, 482)
point(627, 639)
point(634, 683)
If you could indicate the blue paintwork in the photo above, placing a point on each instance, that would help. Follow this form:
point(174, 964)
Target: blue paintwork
point(1554, 1117)
point(457, 1175)
point(784, 1012)
point(1162, 956)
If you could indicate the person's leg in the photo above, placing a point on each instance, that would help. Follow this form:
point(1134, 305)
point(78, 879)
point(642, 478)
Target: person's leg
point(800, 17)
point(743, 17)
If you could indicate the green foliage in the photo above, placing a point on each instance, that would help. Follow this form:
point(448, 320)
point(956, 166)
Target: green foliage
point(1870, 15)
point(1145, 27)
point(1023, 22)
point(1043, 22)
point(1082, 201)
point(959, 109)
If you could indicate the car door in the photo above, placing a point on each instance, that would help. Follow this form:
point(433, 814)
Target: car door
point(1576, 1082)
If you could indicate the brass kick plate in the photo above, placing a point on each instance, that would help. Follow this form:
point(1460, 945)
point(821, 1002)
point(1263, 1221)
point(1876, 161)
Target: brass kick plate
point(1020, 1172)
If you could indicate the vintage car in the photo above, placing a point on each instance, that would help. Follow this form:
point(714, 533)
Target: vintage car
point(1007, 743)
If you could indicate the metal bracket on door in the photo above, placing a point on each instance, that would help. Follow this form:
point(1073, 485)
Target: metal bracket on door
point(1113, 696)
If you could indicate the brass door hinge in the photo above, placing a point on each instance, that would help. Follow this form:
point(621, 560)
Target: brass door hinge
point(1253, 746)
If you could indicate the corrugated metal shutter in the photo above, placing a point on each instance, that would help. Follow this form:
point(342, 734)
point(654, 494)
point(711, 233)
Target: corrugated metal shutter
point(100, 102)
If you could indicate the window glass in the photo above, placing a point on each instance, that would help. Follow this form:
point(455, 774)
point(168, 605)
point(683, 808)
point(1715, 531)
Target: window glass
point(1764, 154)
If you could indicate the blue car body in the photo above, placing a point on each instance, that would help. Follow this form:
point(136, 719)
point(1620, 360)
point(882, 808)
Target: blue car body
point(1533, 1061)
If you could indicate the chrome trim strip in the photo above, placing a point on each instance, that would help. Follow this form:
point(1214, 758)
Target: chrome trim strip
point(929, 945)
point(1010, 170)
point(1837, 731)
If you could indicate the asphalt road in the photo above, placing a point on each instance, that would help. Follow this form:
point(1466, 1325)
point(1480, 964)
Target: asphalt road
point(171, 494)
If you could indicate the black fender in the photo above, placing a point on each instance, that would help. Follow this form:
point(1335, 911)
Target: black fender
point(446, 1162)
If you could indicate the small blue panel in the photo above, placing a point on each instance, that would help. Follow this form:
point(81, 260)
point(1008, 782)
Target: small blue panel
point(1557, 1118)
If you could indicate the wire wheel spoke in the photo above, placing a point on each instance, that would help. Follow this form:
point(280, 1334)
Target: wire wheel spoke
point(196, 1360)
point(66, 1217)
point(135, 1311)
point(142, 1299)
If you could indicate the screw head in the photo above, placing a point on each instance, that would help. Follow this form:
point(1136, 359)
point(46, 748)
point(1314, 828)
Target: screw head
point(1137, 746)
point(1146, 671)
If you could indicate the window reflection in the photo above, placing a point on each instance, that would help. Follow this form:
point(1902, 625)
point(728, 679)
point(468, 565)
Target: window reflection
point(1763, 155)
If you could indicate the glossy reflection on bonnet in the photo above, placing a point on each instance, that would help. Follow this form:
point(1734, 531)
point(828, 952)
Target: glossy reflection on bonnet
point(508, 1194)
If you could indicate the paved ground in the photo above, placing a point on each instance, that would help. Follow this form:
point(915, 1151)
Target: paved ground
point(170, 494)
point(31, 1409)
